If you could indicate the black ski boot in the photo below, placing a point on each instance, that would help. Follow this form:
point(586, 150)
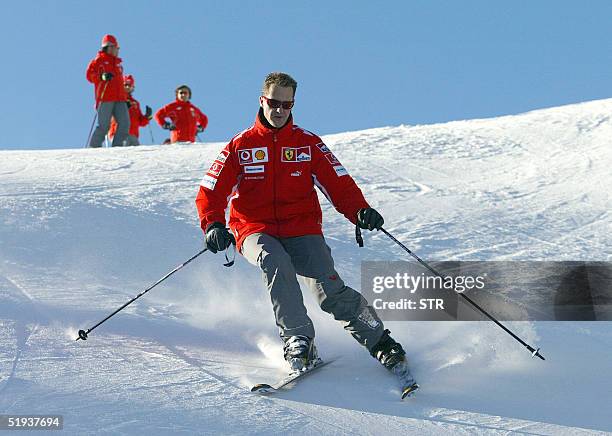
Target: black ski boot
point(300, 352)
point(387, 351)
point(393, 357)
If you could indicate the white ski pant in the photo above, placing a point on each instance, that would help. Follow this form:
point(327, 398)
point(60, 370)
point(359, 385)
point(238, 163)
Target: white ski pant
point(106, 110)
point(282, 259)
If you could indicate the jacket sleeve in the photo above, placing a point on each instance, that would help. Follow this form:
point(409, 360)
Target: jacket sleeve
point(160, 115)
point(202, 119)
point(217, 186)
point(93, 73)
point(142, 120)
point(335, 182)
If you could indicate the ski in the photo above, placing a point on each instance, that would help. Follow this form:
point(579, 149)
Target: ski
point(407, 383)
point(409, 389)
point(264, 388)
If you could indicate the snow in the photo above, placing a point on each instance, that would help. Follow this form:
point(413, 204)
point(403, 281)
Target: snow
point(83, 231)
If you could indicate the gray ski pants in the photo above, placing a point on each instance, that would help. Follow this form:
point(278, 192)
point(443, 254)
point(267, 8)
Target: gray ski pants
point(106, 110)
point(281, 259)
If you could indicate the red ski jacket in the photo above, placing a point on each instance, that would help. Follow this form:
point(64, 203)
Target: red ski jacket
point(268, 176)
point(185, 117)
point(137, 119)
point(113, 89)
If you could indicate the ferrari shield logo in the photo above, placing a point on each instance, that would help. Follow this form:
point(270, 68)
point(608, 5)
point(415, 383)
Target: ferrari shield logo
point(289, 154)
point(296, 154)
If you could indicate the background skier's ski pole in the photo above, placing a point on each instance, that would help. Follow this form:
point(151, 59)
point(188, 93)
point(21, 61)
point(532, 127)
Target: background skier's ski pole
point(151, 132)
point(83, 333)
point(534, 351)
point(95, 115)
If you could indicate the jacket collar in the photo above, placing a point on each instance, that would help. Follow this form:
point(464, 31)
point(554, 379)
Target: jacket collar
point(262, 126)
point(103, 54)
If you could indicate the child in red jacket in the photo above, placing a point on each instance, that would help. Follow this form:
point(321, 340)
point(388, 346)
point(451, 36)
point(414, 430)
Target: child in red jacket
point(137, 118)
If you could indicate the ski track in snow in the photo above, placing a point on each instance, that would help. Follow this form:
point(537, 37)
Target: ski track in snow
point(83, 231)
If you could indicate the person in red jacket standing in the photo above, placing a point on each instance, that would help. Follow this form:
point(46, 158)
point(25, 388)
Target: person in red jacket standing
point(269, 172)
point(181, 117)
point(137, 118)
point(106, 73)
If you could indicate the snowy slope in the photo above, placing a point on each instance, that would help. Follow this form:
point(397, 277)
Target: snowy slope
point(82, 231)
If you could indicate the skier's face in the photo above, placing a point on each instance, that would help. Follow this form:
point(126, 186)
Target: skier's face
point(278, 116)
point(112, 50)
point(183, 95)
point(128, 88)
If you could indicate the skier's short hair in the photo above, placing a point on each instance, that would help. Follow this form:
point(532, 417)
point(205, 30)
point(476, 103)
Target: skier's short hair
point(279, 79)
point(176, 91)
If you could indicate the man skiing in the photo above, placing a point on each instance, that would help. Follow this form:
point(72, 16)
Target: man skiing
point(137, 118)
point(268, 172)
point(106, 73)
point(185, 119)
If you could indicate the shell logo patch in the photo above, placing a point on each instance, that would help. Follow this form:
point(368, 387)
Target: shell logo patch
point(253, 155)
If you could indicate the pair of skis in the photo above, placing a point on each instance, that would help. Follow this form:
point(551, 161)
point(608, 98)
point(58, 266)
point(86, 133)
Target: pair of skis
point(407, 383)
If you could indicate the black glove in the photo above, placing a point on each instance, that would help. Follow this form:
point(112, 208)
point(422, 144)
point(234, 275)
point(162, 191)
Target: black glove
point(369, 219)
point(129, 103)
point(200, 129)
point(106, 76)
point(148, 113)
point(169, 126)
point(218, 238)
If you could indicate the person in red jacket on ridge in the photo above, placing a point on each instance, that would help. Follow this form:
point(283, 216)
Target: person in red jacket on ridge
point(268, 174)
point(186, 120)
point(106, 73)
point(137, 118)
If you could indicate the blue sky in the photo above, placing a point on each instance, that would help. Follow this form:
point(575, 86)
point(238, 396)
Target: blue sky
point(359, 64)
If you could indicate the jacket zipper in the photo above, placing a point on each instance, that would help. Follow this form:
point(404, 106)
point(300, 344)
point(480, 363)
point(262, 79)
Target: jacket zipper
point(273, 156)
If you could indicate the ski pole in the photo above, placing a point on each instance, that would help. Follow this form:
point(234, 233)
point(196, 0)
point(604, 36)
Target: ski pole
point(83, 333)
point(534, 351)
point(151, 132)
point(95, 115)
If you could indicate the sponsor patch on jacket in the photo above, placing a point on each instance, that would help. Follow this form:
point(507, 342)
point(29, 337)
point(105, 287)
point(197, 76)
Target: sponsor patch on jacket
point(222, 156)
point(296, 154)
point(323, 148)
point(209, 182)
point(253, 155)
point(332, 159)
point(340, 171)
point(253, 169)
point(215, 168)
